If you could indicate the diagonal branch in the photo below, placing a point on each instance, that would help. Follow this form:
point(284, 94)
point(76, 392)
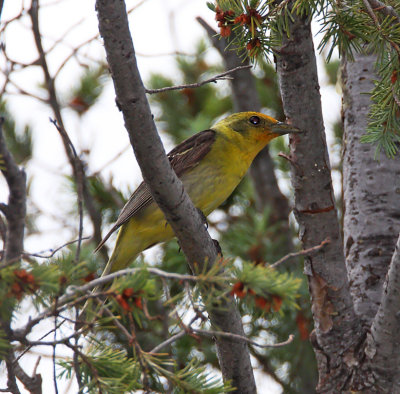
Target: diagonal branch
point(384, 341)
point(15, 210)
point(387, 12)
point(166, 188)
point(385, 9)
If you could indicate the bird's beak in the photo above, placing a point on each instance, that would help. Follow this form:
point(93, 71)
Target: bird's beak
point(284, 128)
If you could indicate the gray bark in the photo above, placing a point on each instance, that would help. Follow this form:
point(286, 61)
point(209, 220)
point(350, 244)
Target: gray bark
point(15, 213)
point(336, 325)
point(167, 190)
point(15, 210)
point(371, 193)
point(384, 341)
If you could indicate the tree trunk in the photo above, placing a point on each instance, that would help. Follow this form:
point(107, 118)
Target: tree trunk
point(335, 337)
point(371, 194)
point(371, 227)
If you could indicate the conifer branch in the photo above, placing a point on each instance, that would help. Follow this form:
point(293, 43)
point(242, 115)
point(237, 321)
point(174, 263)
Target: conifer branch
point(385, 9)
point(371, 13)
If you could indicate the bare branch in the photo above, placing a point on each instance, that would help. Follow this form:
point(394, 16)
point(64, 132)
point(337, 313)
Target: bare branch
point(54, 251)
point(15, 211)
point(169, 341)
point(216, 78)
point(303, 252)
point(242, 338)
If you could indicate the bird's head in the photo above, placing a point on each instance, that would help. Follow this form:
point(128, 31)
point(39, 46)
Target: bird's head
point(255, 127)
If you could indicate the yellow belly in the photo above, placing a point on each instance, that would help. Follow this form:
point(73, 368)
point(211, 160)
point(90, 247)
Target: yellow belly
point(209, 184)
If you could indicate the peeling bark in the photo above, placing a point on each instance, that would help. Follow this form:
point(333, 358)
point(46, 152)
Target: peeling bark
point(336, 326)
point(371, 194)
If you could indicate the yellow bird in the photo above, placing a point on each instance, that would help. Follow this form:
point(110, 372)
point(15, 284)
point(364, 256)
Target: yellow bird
point(210, 165)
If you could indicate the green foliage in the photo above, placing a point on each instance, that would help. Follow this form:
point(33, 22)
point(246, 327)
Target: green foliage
point(89, 88)
point(109, 369)
point(266, 281)
point(18, 140)
point(106, 370)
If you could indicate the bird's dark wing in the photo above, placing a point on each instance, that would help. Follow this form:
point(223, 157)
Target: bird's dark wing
point(189, 153)
point(183, 157)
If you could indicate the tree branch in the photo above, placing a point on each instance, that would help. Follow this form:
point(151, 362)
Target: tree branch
point(388, 12)
point(370, 193)
point(385, 9)
point(167, 190)
point(243, 338)
point(384, 341)
point(14, 243)
point(303, 252)
point(216, 78)
point(15, 210)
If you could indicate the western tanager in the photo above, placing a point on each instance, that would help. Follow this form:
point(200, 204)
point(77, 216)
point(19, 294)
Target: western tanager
point(210, 164)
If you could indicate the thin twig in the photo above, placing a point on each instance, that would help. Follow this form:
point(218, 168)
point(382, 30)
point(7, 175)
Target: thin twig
point(54, 352)
point(36, 365)
point(242, 338)
point(301, 253)
point(120, 326)
point(71, 290)
point(187, 329)
point(371, 13)
point(169, 341)
point(385, 9)
point(38, 255)
point(53, 251)
point(75, 360)
point(219, 77)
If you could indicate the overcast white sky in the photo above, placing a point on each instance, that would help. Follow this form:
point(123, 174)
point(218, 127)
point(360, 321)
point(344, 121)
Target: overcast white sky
point(159, 28)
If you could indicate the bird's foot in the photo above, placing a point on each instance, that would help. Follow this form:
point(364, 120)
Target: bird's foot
point(203, 217)
point(218, 247)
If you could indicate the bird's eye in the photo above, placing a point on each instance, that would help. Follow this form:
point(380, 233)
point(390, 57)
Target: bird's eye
point(254, 120)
